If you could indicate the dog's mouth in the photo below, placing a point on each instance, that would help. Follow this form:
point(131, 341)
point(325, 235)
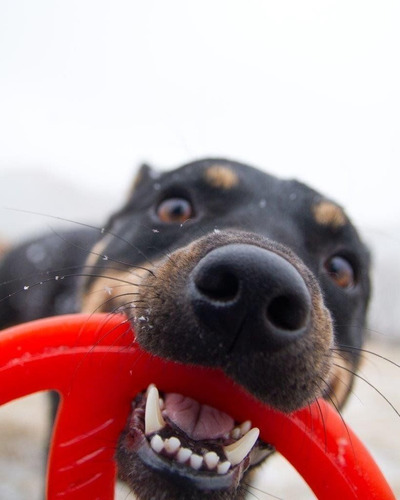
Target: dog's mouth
point(177, 436)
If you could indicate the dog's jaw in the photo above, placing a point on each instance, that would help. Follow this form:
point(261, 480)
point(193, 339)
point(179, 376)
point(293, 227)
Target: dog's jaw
point(171, 324)
point(147, 454)
point(192, 447)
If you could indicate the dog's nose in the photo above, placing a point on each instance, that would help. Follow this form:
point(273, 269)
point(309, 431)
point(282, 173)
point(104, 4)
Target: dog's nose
point(250, 294)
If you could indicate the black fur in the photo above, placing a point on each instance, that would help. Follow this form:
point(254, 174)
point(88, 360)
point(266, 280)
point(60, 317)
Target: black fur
point(199, 309)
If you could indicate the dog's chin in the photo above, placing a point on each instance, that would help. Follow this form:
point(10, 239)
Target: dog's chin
point(184, 450)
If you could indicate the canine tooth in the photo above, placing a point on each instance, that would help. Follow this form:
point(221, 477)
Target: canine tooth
point(153, 419)
point(211, 459)
point(196, 461)
point(223, 467)
point(172, 445)
point(183, 455)
point(245, 427)
point(237, 451)
point(156, 443)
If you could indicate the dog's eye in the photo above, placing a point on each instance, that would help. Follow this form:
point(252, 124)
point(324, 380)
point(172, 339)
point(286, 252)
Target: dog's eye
point(175, 210)
point(340, 271)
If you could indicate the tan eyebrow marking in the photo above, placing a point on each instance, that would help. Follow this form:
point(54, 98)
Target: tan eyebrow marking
point(327, 213)
point(220, 176)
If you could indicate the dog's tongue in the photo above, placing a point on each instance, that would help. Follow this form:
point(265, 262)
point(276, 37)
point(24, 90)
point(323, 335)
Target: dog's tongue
point(198, 421)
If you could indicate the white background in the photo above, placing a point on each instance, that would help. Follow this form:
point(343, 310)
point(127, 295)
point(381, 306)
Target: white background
point(305, 89)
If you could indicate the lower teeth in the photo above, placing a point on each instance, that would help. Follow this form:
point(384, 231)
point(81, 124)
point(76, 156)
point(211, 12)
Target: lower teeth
point(172, 446)
point(243, 435)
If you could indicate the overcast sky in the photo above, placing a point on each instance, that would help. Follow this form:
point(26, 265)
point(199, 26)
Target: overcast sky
point(305, 89)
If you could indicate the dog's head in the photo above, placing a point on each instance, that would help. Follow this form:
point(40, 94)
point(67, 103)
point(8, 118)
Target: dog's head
point(221, 265)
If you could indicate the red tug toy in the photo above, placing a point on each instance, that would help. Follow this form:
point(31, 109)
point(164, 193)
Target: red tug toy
point(98, 369)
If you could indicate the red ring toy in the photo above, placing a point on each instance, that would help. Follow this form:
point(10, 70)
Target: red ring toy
point(96, 366)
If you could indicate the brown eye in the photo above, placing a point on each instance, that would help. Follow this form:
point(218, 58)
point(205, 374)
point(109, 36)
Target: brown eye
point(175, 210)
point(340, 271)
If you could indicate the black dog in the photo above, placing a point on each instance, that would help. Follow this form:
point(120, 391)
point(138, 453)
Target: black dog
point(217, 264)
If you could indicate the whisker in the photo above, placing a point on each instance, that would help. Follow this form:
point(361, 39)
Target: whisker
point(105, 303)
point(346, 348)
point(323, 424)
point(370, 385)
point(111, 259)
point(247, 490)
point(75, 275)
point(249, 485)
point(101, 230)
point(58, 274)
point(337, 408)
point(349, 389)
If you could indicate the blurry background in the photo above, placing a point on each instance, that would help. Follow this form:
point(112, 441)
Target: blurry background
point(91, 88)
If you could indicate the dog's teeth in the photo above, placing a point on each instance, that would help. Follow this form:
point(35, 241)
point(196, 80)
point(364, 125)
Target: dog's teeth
point(241, 430)
point(223, 467)
point(237, 451)
point(236, 433)
point(153, 420)
point(211, 459)
point(196, 461)
point(157, 444)
point(183, 455)
point(245, 427)
point(172, 445)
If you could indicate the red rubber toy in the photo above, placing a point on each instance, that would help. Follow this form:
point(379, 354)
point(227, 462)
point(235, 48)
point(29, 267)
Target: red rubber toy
point(98, 368)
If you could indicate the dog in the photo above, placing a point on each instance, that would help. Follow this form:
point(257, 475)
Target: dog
point(216, 264)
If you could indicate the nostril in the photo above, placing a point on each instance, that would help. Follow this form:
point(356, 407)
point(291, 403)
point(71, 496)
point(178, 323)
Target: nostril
point(288, 313)
point(249, 295)
point(222, 286)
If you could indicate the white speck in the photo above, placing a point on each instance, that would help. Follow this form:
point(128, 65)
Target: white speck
point(35, 253)
point(105, 257)
point(56, 278)
point(26, 287)
point(143, 318)
point(262, 203)
point(108, 290)
point(217, 231)
point(155, 231)
point(342, 445)
point(102, 230)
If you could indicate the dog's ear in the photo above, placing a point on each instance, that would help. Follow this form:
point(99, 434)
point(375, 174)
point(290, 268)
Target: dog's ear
point(145, 174)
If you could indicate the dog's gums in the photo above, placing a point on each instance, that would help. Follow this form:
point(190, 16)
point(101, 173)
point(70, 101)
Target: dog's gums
point(177, 435)
point(195, 423)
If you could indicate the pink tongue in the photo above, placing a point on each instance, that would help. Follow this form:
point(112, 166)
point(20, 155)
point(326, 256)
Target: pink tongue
point(198, 421)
